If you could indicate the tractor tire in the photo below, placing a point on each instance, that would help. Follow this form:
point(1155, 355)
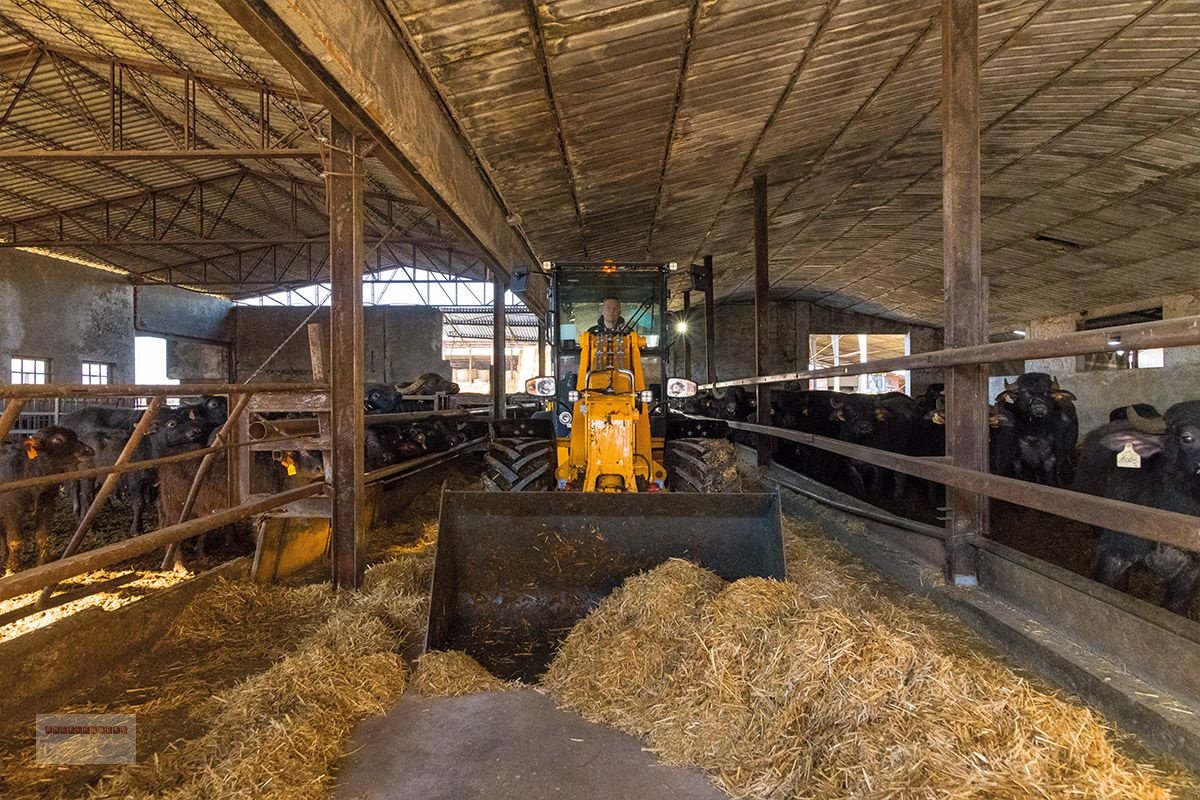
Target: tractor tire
point(518, 465)
point(702, 465)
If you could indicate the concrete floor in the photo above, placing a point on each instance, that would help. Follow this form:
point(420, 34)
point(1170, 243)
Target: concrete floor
point(500, 746)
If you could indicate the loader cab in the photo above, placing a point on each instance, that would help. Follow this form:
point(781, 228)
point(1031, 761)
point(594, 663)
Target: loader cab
point(577, 294)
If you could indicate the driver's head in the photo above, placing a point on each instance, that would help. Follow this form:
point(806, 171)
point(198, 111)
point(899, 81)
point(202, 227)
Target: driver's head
point(610, 309)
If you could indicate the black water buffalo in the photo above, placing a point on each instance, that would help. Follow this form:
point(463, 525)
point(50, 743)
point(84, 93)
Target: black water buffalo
point(47, 452)
point(1036, 442)
point(884, 422)
point(807, 411)
point(380, 398)
point(389, 444)
point(1164, 474)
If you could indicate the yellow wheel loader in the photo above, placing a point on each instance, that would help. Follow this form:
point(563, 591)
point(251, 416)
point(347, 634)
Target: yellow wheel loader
point(601, 484)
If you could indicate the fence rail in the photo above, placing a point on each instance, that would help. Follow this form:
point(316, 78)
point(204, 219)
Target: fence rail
point(1178, 332)
point(35, 399)
point(1167, 527)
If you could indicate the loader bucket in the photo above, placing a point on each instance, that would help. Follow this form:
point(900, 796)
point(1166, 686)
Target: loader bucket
point(514, 572)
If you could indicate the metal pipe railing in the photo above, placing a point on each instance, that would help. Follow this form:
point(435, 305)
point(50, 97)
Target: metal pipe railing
point(415, 464)
point(1179, 332)
point(26, 390)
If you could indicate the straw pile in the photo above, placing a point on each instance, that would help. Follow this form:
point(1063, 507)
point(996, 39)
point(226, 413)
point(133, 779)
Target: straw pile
point(278, 733)
point(783, 690)
point(453, 673)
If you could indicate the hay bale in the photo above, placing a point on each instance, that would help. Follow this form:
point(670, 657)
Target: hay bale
point(780, 693)
point(453, 673)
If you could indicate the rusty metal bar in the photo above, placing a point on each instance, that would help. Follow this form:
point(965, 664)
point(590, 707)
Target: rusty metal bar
point(157, 155)
point(172, 556)
point(261, 429)
point(415, 464)
point(261, 243)
point(687, 335)
point(762, 301)
point(132, 466)
point(12, 412)
point(1168, 527)
point(145, 390)
point(499, 332)
point(710, 323)
point(157, 68)
point(50, 574)
point(541, 345)
point(110, 483)
point(345, 201)
point(1178, 332)
point(965, 290)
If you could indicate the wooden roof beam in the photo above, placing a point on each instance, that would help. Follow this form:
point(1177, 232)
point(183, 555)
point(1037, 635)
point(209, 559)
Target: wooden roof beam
point(347, 55)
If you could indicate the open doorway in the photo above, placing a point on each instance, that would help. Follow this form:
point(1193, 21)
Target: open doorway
point(838, 349)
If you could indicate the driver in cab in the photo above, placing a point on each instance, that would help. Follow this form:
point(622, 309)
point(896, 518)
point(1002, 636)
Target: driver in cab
point(610, 320)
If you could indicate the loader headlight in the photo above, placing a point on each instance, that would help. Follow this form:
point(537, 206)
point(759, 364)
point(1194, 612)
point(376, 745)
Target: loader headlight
point(572, 396)
point(565, 418)
point(541, 386)
point(680, 387)
point(646, 396)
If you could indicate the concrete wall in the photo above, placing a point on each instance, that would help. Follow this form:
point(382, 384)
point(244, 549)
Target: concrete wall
point(792, 322)
point(65, 312)
point(198, 329)
point(401, 342)
point(1100, 391)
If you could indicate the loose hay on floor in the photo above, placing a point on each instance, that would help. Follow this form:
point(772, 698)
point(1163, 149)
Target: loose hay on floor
point(453, 673)
point(787, 690)
point(278, 733)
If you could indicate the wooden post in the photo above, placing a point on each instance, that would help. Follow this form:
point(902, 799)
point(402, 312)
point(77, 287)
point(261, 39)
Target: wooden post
point(687, 335)
point(345, 202)
point(762, 326)
point(499, 398)
point(965, 301)
point(710, 326)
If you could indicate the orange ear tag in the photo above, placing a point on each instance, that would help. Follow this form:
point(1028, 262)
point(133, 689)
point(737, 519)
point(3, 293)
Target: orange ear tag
point(288, 464)
point(31, 452)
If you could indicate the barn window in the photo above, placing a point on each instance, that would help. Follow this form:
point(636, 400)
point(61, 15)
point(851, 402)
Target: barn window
point(836, 349)
point(96, 372)
point(1122, 359)
point(30, 370)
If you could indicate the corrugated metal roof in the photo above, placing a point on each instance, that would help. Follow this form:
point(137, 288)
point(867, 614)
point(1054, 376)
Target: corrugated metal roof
point(632, 129)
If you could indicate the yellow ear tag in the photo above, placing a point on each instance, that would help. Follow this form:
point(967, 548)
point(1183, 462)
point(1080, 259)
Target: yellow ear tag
point(1128, 458)
point(31, 452)
point(288, 464)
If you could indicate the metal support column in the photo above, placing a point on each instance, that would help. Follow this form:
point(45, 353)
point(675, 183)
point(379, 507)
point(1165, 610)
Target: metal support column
point(345, 201)
point(710, 326)
point(541, 348)
point(499, 401)
point(965, 290)
point(762, 326)
point(687, 335)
